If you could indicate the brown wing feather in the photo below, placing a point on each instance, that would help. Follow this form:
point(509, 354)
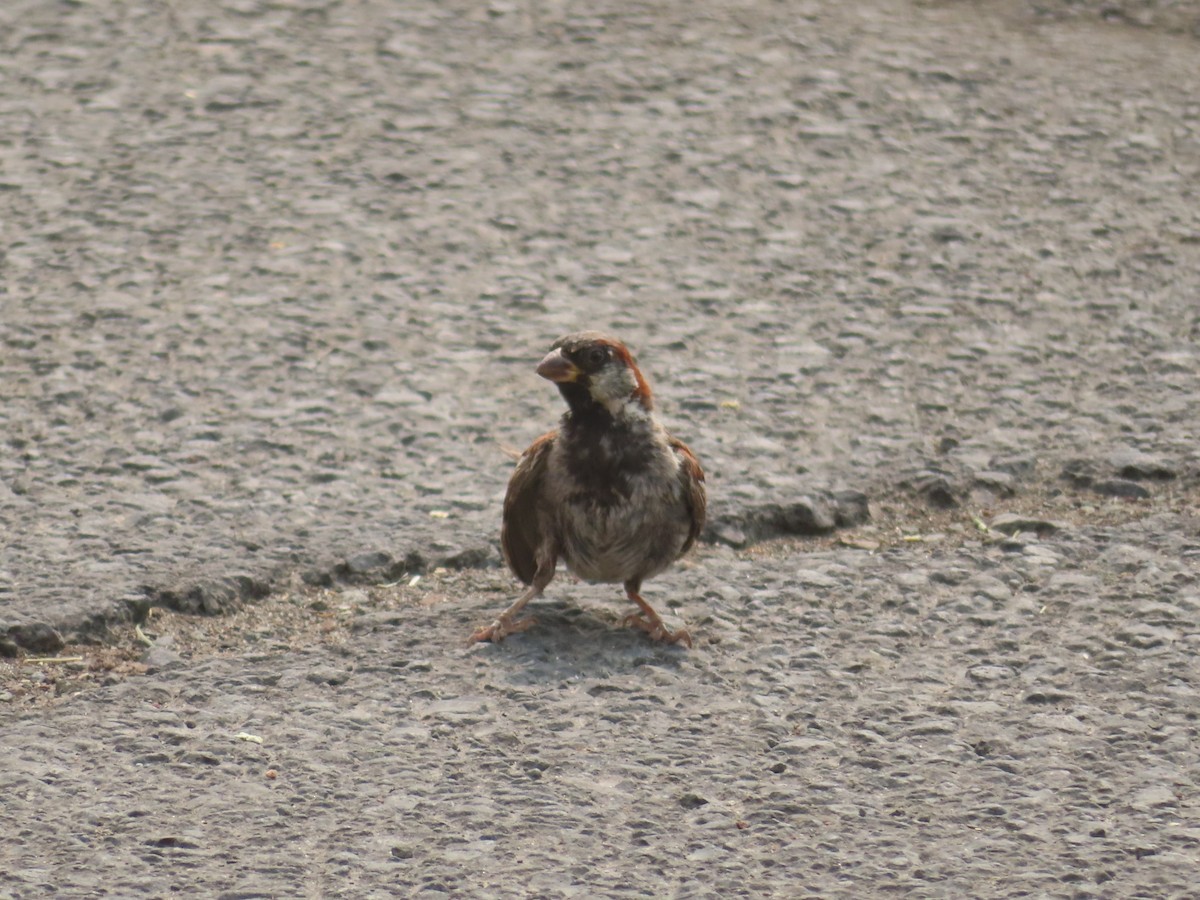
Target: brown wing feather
point(692, 477)
point(521, 527)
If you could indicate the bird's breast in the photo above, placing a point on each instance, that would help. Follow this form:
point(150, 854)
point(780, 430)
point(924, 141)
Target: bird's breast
point(618, 500)
point(615, 536)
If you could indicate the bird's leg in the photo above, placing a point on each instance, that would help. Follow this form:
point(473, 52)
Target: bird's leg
point(505, 624)
point(651, 622)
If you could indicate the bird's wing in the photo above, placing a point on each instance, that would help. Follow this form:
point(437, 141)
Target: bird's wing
point(692, 478)
point(521, 531)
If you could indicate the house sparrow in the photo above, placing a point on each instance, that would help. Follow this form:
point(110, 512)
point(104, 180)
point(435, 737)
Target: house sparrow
point(610, 492)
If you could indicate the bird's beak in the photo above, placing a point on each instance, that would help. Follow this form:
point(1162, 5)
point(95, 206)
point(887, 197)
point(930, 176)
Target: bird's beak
point(557, 368)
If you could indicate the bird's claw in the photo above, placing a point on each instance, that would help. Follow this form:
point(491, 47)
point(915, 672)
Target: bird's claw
point(500, 629)
point(657, 630)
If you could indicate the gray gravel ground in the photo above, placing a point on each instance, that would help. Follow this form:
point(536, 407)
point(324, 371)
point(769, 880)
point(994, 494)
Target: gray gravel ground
point(275, 278)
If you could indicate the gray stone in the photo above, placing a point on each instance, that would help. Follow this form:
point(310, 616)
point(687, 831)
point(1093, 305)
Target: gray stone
point(937, 489)
point(1121, 488)
point(852, 508)
point(36, 637)
point(1015, 523)
point(159, 658)
point(1002, 484)
point(990, 674)
point(1081, 473)
point(1131, 464)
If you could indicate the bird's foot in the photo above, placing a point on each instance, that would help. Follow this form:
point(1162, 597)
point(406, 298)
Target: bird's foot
point(657, 629)
point(500, 629)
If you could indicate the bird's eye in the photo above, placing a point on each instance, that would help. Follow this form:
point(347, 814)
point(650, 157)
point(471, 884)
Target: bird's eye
point(597, 356)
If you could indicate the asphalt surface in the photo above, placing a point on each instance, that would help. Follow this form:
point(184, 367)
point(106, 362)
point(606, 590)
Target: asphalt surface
point(276, 276)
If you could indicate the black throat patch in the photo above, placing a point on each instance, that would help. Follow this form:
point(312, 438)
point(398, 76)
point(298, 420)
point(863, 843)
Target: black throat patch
point(603, 455)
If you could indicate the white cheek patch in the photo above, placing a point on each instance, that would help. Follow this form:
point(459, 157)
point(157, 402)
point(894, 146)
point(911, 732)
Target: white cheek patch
point(612, 387)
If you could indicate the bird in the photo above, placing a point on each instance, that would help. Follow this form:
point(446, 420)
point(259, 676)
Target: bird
point(610, 492)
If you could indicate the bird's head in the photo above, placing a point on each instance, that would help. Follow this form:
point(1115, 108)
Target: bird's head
point(593, 370)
